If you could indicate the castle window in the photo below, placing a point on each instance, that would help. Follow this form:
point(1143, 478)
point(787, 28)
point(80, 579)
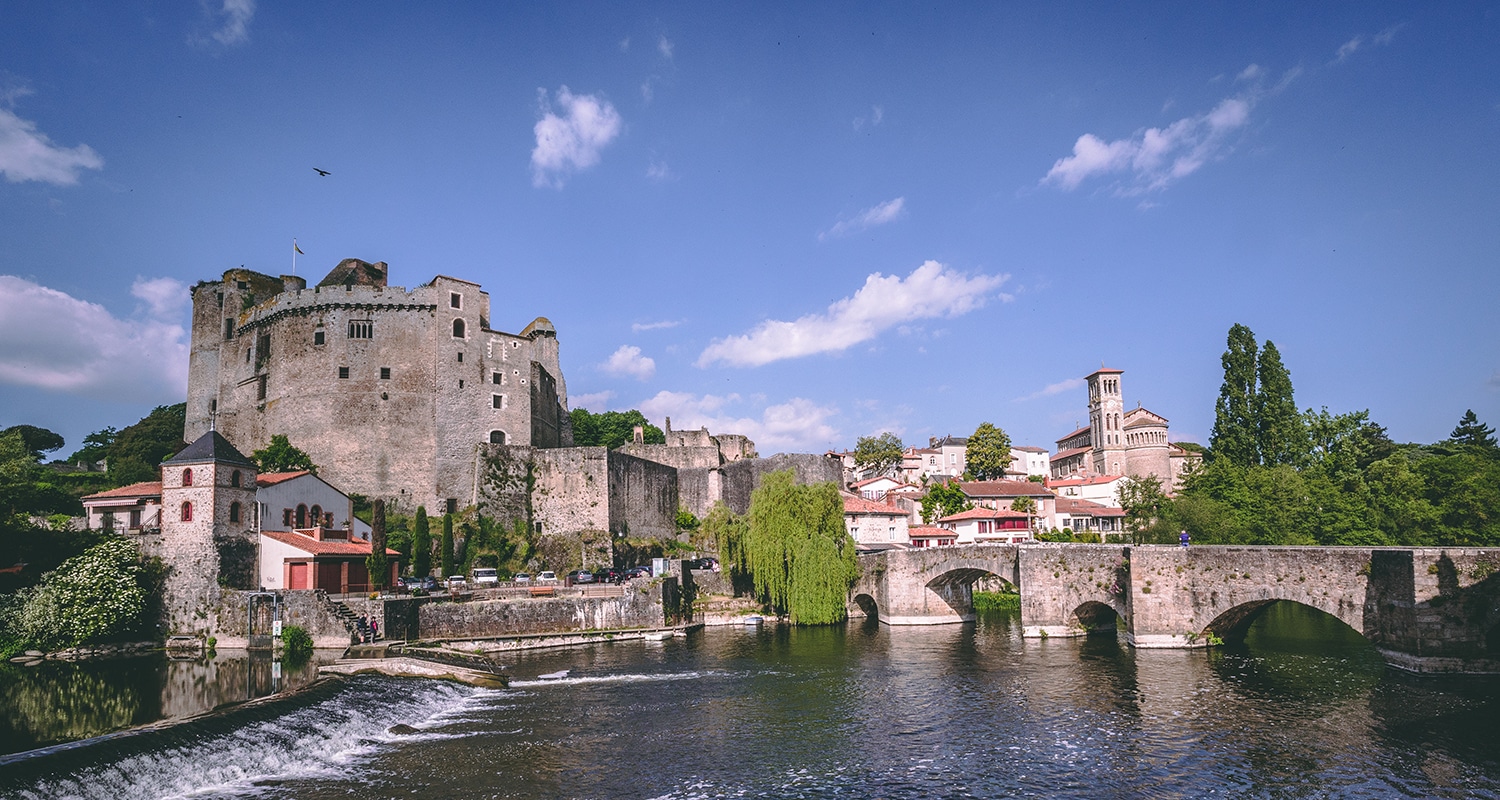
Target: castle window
point(187, 477)
point(301, 516)
point(234, 512)
point(497, 437)
point(187, 512)
point(460, 358)
point(343, 372)
point(361, 329)
point(260, 388)
point(228, 328)
point(497, 378)
point(213, 406)
point(460, 383)
point(234, 478)
point(242, 284)
point(497, 401)
point(458, 329)
point(452, 505)
point(385, 373)
point(318, 338)
point(455, 300)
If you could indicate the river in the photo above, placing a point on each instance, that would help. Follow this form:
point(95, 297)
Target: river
point(1303, 708)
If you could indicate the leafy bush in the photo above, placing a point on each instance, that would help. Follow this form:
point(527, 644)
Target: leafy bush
point(88, 598)
point(996, 601)
point(297, 644)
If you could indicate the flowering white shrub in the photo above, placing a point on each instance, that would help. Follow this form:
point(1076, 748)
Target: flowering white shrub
point(87, 598)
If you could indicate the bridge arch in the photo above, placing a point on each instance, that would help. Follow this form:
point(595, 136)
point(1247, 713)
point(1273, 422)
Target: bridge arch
point(1233, 624)
point(1096, 618)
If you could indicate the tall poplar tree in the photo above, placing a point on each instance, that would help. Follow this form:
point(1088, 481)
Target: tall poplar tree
point(377, 563)
point(446, 548)
point(987, 454)
point(1281, 437)
point(421, 545)
point(1234, 434)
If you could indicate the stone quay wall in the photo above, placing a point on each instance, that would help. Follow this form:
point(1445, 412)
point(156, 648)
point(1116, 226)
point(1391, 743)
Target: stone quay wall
point(442, 618)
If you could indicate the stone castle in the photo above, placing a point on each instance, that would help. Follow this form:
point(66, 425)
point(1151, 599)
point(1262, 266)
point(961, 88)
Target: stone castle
point(390, 390)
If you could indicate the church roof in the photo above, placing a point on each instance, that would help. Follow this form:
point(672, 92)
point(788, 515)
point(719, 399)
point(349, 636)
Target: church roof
point(1106, 371)
point(210, 447)
point(1082, 430)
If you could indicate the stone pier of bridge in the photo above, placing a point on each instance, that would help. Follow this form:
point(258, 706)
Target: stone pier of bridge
point(1424, 609)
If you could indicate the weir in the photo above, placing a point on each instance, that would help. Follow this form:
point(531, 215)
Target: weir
point(1424, 609)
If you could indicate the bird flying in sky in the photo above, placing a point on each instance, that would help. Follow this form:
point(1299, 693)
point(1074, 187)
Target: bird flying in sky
point(321, 171)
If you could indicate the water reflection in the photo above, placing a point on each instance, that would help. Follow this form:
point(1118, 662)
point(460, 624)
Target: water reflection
point(62, 701)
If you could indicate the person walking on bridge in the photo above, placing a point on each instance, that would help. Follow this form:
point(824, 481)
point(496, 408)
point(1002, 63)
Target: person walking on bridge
point(1184, 538)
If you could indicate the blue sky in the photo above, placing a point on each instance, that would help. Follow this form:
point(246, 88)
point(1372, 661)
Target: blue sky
point(802, 222)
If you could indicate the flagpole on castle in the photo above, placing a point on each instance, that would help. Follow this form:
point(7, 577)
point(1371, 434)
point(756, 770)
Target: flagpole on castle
point(295, 251)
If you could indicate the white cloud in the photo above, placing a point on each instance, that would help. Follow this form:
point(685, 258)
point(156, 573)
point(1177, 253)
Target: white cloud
point(1155, 157)
point(1054, 388)
point(884, 302)
point(1348, 48)
point(659, 171)
point(653, 326)
point(889, 211)
point(26, 154)
point(797, 425)
point(877, 114)
point(1352, 46)
point(664, 46)
point(597, 402)
point(571, 142)
point(164, 297)
point(56, 342)
point(625, 45)
point(231, 21)
point(1250, 73)
point(629, 361)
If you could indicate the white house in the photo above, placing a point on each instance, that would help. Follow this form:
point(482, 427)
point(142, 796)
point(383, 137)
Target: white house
point(1001, 495)
point(1084, 515)
point(875, 526)
point(318, 558)
point(876, 488)
point(1026, 461)
point(301, 500)
point(989, 525)
point(1102, 489)
point(129, 509)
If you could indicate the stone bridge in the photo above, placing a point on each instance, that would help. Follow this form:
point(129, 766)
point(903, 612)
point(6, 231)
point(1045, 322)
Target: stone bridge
point(1424, 609)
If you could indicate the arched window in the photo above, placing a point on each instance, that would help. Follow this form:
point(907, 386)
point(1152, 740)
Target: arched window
point(187, 477)
point(234, 511)
point(187, 512)
point(301, 516)
point(317, 515)
point(497, 437)
point(458, 329)
point(234, 478)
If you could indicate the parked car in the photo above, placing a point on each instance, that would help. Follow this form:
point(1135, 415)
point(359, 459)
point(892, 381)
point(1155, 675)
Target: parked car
point(486, 578)
point(457, 583)
point(580, 576)
point(610, 575)
point(706, 563)
point(546, 576)
point(521, 577)
point(637, 572)
point(429, 584)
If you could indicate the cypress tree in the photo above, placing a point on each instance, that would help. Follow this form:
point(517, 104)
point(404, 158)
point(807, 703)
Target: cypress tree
point(446, 547)
point(421, 545)
point(1234, 434)
point(377, 563)
point(1281, 437)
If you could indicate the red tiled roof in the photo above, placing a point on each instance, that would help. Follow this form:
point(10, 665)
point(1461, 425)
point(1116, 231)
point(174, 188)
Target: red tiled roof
point(985, 513)
point(859, 505)
point(142, 489)
point(1088, 480)
point(868, 481)
point(273, 478)
point(1144, 421)
point(929, 532)
point(1070, 506)
point(324, 548)
point(1070, 453)
point(1028, 448)
point(1078, 432)
point(1004, 489)
point(1105, 371)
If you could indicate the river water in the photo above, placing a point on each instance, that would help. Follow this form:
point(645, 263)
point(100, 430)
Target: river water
point(1304, 708)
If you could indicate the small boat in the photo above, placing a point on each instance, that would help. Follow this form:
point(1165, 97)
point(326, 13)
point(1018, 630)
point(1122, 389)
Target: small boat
point(753, 619)
point(554, 676)
point(656, 636)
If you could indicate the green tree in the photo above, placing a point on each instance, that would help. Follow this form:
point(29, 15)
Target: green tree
point(611, 428)
point(421, 545)
point(40, 440)
point(798, 551)
point(1281, 437)
point(988, 453)
point(1234, 432)
point(281, 456)
point(878, 455)
point(943, 499)
point(137, 451)
point(95, 447)
point(89, 597)
point(1470, 431)
point(1143, 502)
point(378, 563)
point(445, 547)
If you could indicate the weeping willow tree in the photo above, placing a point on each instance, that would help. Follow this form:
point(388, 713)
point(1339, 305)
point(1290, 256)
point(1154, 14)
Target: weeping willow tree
point(797, 549)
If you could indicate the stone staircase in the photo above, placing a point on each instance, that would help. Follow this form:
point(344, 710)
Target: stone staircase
point(345, 614)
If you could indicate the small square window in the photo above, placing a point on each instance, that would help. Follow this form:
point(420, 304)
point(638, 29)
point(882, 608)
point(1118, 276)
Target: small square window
point(318, 338)
point(460, 358)
point(460, 383)
point(452, 505)
point(385, 373)
point(229, 328)
point(455, 300)
point(497, 401)
point(497, 378)
point(343, 372)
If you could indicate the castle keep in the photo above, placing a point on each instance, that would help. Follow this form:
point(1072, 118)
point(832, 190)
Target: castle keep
point(389, 390)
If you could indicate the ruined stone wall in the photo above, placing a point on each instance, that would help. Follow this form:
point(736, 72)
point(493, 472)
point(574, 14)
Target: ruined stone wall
point(572, 492)
point(698, 488)
point(740, 478)
point(642, 497)
point(679, 457)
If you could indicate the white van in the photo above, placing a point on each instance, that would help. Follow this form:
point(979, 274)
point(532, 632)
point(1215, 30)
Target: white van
point(486, 577)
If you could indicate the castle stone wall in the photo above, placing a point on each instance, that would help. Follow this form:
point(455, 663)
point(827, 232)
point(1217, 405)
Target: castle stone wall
point(742, 477)
point(642, 497)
